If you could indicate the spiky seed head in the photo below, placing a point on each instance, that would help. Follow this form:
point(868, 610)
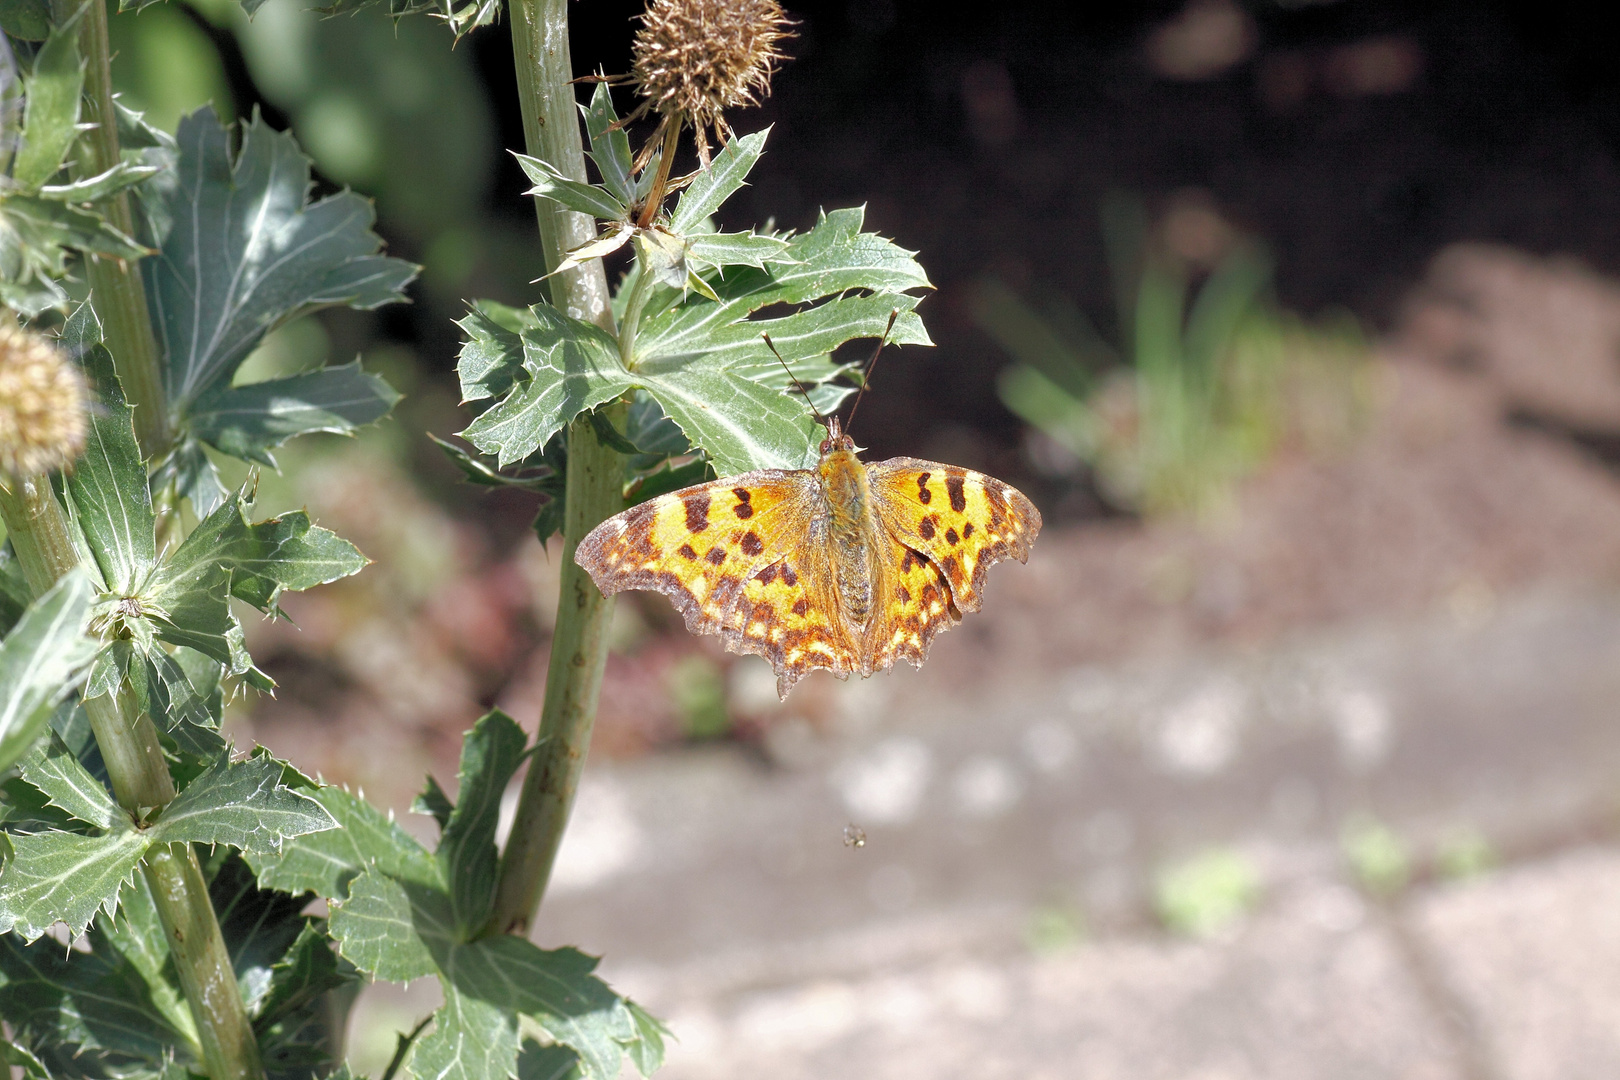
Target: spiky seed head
point(42, 404)
point(694, 59)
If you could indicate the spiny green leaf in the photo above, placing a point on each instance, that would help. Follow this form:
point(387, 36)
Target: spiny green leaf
point(550, 1062)
point(188, 469)
point(718, 182)
point(392, 930)
point(135, 937)
point(50, 126)
point(586, 198)
point(554, 987)
point(189, 714)
point(242, 804)
point(52, 768)
point(40, 662)
point(248, 421)
point(84, 1002)
point(736, 249)
point(110, 498)
point(325, 863)
point(472, 1039)
point(263, 558)
point(490, 753)
point(433, 802)
point(492, 356)
point(829, 262)
point(242, 252)
point(647, 1050)
point(610, 146)
point(121, 177)
point(571, 366)
point(309, 969)
point(55, 877)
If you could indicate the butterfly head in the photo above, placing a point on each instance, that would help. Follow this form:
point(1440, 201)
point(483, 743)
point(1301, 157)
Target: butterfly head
point(836, 439)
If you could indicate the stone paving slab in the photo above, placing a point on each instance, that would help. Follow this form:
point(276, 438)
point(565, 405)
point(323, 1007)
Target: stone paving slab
point(1532, 955)
point(1315, 987)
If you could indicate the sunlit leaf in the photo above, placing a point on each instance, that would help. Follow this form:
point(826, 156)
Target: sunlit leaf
point(610, 145)
point(243, 251)
point(41, 660)
point(66, 877)
point(243, 804)
point(718, 182)
point(589, 199)
point(50, 123)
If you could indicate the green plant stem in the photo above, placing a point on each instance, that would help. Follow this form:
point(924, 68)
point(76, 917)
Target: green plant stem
point(229, 1047)
point(128, 740)
point(551, 133)
point(573, 683)
point(595, 484)
point(116, 285)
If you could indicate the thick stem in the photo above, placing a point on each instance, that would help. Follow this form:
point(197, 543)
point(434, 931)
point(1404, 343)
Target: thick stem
point(595, 483)
point(229, 1048)
point(573, 682)
point(551, 133)
point(128, 741)
point(116, 286)
point(38, 529)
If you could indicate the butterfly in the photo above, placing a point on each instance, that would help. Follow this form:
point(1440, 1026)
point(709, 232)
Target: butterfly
point(846, 567)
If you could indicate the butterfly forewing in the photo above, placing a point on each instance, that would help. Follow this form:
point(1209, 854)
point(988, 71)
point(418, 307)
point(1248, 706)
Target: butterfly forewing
point(701, 545)
point(963, 521)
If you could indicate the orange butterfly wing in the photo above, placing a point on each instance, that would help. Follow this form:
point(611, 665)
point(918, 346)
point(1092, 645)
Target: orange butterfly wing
point(743, 557)
point(962, 521)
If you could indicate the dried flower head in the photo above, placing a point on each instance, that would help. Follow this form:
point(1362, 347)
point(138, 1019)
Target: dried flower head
point(42, 404)
point(694, 59)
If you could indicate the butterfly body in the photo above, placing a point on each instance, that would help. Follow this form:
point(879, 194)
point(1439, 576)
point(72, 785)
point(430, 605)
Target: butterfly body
point(846, 567)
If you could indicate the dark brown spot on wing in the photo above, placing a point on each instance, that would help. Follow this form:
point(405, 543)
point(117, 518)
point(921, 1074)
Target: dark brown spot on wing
point(751, 544)
point(926, 527)
point(924, 496)
point(951, 537)
point(903, 593)
point(697, 512)
point(908, 560)
point(767, 575)
point(800, 606)
point(686, 551)
point(953, 486)
point(967, 531)
point(789, 578)
point(716, 555)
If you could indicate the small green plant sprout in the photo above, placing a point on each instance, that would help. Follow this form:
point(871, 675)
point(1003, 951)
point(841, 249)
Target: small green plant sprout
point(1055, 927)
point(1207, 894)
point(1464, 852)
point(1205, 383)
point(1379, 858)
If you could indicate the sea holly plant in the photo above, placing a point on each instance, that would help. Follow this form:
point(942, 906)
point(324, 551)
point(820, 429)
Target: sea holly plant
point(178, 870)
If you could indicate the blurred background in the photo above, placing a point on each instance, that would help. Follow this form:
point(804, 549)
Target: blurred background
point(1294, 749)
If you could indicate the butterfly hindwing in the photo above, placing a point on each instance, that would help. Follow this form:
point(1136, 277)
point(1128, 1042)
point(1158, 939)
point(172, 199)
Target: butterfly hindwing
point(917, 605)
point(964, 522)
point(701, 545)
point(790, 616)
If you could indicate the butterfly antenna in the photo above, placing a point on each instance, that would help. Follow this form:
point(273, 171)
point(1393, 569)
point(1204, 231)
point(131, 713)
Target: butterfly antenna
point(866, 369)
point(769, 344)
